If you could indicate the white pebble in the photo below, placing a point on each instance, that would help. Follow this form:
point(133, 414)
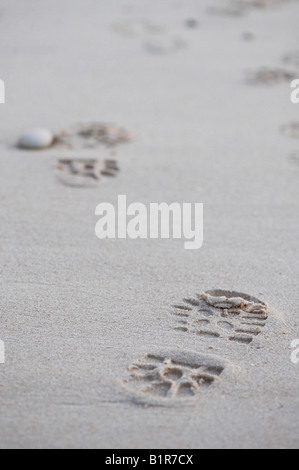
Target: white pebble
point(36, 139)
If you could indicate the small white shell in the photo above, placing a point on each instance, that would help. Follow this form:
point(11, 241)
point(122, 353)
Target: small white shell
point(36, 139)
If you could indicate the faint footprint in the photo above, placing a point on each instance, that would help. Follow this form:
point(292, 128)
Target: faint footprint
point(226, 10)
point(222, 314)
point(164, 45)
point(172, 376)
point(156, 38)
point(137, 28)
point(91, 135)
point(294, 158)
point(84, 172)
point(268, 76)
point(291, 129)
point(241, 7)
point(261, 4)
point(292, 58)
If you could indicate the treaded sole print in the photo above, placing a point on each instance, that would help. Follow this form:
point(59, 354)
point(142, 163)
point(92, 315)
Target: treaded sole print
point(172, 377)
point(82, 172)
point(217, 314)
point(90, 136)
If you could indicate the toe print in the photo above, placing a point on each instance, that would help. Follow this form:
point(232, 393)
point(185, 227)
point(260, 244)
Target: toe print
point(223, 314)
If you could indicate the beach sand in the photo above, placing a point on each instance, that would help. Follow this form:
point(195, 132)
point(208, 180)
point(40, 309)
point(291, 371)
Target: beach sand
point(77, 312)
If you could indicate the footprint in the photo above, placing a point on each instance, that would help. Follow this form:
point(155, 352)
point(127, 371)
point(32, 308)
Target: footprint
point(137, 28)
point(157, 40)
point(217, 314)
point(84, 172)
point(227, 10)
point(88, 136)
point(269, 76)
point(165, 45)
point(262, 4)
point(241, 7)
point(172, 376)
point(291, 129)
point(294, 158)
point(292, 58)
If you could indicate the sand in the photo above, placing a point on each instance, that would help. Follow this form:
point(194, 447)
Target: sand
point(76, 311)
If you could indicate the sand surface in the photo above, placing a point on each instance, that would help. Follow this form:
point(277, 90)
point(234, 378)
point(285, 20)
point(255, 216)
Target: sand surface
point(76, 312)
